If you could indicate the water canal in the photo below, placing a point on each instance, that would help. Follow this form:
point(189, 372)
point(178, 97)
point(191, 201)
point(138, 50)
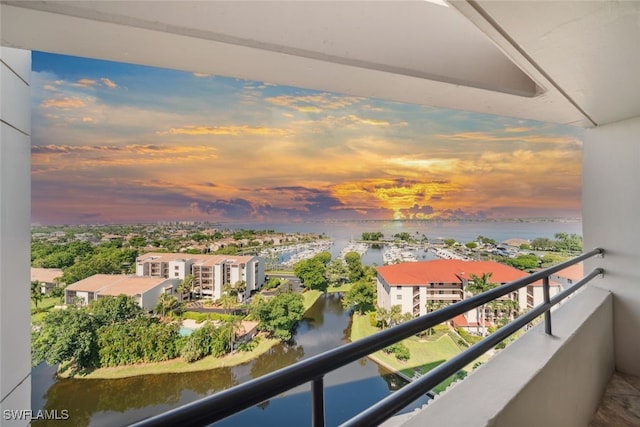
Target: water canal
point(122, 401)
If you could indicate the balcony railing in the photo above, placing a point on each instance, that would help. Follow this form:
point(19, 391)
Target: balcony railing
point(228, 402)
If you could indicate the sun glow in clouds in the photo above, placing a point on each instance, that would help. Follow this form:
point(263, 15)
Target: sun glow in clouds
point(123, 143)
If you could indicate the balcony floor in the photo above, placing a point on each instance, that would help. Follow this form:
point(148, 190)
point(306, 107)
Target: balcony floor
point(620, 404)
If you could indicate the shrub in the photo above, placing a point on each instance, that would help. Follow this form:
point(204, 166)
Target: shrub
point(471, 339)
point(372, 320)
point(399, 350)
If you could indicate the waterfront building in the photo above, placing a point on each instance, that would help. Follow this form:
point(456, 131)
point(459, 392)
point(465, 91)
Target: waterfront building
point(144, 290)
point(210, 272)
point(413, 285)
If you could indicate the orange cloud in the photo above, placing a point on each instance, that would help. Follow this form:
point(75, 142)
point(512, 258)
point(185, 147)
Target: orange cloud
point(489, 137)
point(398, 195)
point(227, 130)
point(64, 103)
point(108, 83)
point(518, 129)
point(85, 83)
point(313, 103)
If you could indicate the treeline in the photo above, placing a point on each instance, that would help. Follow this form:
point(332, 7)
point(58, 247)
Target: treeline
point(563, 243)
point(321, 271)
point(79, 260)
point(115, 331)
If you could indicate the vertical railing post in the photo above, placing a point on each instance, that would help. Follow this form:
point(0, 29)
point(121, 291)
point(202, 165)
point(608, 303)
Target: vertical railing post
point(317, 402)
point(547, 299)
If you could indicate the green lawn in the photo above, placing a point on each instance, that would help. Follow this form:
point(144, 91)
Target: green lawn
point(44, 306)
point(179, 365)
point(310, 297)
point(426, 353)
point(342, 288)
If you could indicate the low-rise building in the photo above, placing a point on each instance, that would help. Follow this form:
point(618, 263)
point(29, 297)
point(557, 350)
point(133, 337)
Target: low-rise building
point(210, 272)
point(414, 285)
point(144, 290)
point(48, 278)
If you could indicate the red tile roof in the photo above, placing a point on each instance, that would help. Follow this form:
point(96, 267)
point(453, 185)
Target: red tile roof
point(446, 271)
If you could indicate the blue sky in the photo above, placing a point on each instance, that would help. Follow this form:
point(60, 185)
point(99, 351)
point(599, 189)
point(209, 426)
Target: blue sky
point(121, 143)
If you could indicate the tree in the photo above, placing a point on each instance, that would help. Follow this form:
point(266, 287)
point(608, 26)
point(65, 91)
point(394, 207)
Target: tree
point(471, 245)
point(503, 309)
point(395, 315)
point(524, 262)
point(185, 287)
point(361, 296)
point(108, 310)
point(36, 292)
point(167, 303)
point(354, 266)
point(449, 242)
point(373, 236)
point(228, 301)
point(311, 273)
point(403, 236)
point(383, 316)
point(478, 285)
point(432, 306)
point(68, 338)
point(485, 240)
point(324, 257)
point(336, 272)
point(279, 315)
point(541, 244)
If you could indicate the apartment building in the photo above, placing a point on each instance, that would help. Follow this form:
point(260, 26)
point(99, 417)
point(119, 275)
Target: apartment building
point(413, 285)
point(144, 290)
point(210, 272)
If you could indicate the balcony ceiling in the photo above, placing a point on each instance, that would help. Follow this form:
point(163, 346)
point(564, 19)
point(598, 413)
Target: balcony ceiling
point(566, 62)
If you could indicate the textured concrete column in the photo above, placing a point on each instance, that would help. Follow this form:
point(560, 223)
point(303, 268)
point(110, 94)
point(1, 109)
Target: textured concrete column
point(610, 205)
point(15, 212)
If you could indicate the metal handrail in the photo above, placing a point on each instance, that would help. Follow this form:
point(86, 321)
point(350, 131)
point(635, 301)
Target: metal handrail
point(230, 401)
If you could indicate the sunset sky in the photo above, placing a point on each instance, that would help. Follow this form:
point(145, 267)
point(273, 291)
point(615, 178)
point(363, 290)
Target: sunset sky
point(120, 143)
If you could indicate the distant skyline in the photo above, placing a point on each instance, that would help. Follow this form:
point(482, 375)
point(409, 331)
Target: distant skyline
point(121, 143)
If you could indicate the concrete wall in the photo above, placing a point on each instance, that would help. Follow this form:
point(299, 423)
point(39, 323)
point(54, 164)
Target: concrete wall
point(611, 207)
point(15, 212)
point(538, 380)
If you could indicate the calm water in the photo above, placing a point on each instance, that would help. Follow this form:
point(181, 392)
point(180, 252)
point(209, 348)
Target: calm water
point(119, 402)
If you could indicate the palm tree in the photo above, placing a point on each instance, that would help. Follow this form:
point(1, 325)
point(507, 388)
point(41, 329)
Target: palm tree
point(185, 287)
point(395, 315)
point(166, 304)
point(383, 316)
point(36, 293)
point(478, 285)
point(505, 309)
point(229, 298)
point(431, 307)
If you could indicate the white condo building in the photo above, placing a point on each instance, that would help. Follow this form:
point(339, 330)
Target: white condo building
point(210, 272)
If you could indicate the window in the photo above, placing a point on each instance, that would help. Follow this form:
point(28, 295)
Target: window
point(399, 296)
point(176, 268)
point(399, 287)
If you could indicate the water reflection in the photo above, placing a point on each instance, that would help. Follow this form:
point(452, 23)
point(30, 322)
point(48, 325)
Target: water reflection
point(122, 401)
